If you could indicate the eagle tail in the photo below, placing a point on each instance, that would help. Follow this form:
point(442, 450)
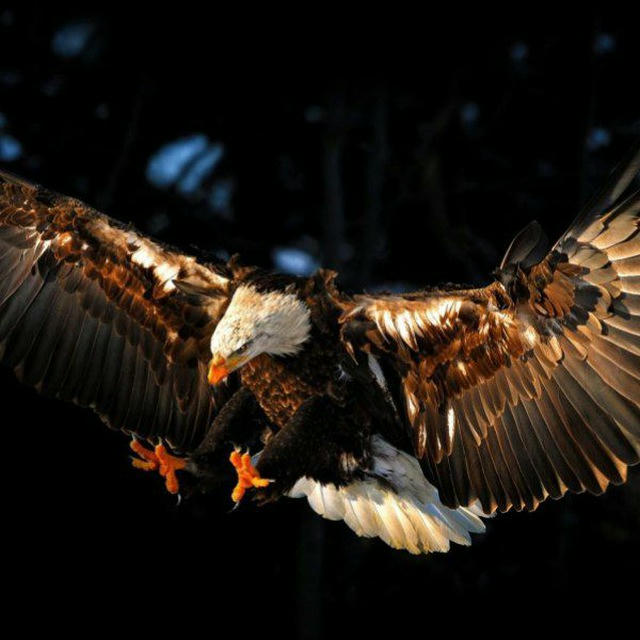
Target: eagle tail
point(394, 502)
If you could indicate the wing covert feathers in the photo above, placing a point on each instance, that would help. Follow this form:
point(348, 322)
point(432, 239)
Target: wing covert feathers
point(529, 387)
point(89, 312)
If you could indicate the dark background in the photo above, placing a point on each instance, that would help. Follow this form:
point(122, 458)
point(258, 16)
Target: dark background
point(401, 155)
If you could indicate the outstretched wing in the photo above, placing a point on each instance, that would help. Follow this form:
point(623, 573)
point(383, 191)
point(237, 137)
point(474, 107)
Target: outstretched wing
point(529, 387)
point(94, 313)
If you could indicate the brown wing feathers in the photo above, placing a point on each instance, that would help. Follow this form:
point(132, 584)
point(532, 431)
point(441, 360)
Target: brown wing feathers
point(89, 312)
point(530, 387)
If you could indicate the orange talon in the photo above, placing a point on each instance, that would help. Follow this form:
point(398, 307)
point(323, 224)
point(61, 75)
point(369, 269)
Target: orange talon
point(168, 466)
point(148, 460)
point(162, 461)
point(248, 475)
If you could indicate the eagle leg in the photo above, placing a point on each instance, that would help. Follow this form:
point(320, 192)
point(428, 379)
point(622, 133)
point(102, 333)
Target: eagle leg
point(240, 422)
point(161, 460)
point(248, 475)
point(322, 441)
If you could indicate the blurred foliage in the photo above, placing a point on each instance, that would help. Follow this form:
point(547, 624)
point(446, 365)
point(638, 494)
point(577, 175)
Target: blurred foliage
point(399, 165)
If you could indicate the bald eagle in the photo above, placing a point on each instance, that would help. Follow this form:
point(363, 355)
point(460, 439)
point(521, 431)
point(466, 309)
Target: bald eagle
point(409, 416)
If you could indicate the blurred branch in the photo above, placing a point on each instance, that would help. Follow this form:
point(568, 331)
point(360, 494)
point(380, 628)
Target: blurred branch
point(372, 236)
point(105, 200)
point(590, 110)
point(333, 221)
point(310, 578)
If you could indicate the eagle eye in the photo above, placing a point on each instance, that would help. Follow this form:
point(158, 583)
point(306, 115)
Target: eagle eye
point(243, 348)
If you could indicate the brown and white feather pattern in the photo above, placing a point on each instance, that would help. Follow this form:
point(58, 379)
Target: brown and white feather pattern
point(528, 388)
point(93, 312)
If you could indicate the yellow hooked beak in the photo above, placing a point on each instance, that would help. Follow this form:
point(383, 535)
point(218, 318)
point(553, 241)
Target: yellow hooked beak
point(220, 368)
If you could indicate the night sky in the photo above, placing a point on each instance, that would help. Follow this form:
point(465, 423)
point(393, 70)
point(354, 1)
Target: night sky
point(401, 155)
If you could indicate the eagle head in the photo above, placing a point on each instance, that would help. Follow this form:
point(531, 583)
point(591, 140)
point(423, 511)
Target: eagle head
point(256, 322)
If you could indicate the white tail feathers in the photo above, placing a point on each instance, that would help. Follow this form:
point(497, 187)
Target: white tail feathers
point(394, 502)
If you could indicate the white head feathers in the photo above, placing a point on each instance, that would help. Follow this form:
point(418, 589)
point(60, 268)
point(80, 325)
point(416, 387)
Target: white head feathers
point(274, 322)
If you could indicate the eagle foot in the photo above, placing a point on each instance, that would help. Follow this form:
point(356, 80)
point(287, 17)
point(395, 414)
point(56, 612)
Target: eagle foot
point(159, 460)
point(248, 475)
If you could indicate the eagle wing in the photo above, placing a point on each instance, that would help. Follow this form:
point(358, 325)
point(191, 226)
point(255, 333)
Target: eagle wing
point(95, 313)
point(529, 387)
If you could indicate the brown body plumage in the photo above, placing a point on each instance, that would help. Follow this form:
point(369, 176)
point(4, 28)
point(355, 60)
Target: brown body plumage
point(499, 397)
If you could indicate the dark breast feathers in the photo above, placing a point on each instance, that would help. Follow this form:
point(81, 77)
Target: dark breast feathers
point(279, 391)
point(92, 312)
point(281, 386)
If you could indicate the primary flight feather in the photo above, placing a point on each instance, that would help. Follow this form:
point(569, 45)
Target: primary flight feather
point(409, 416)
